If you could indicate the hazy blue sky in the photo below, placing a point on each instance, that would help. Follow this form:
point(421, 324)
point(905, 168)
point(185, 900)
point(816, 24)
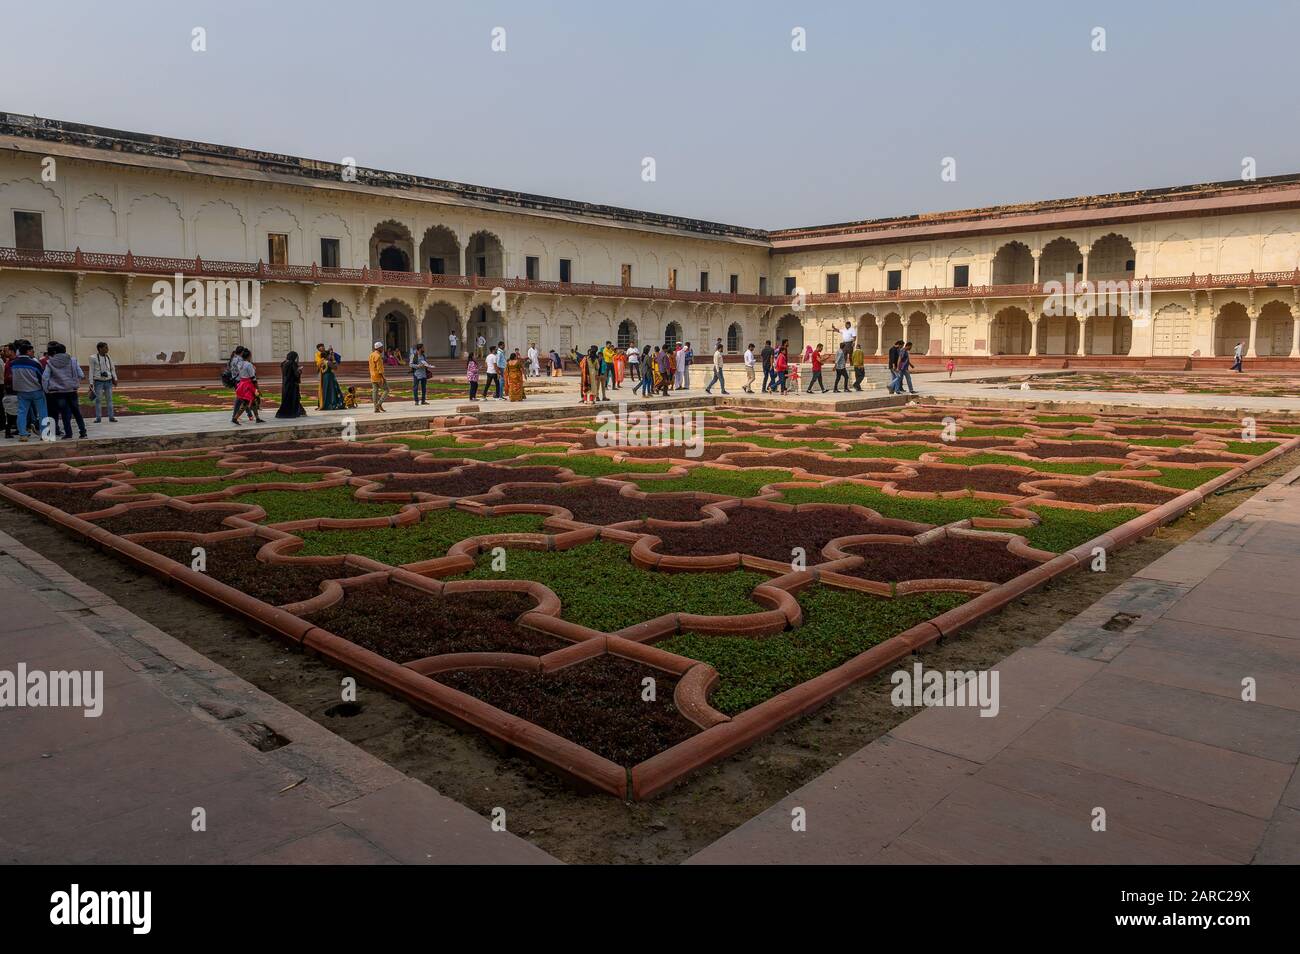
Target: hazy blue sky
point(743, 129)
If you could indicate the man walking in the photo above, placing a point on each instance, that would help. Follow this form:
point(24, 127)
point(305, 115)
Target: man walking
point(769, 379)
point(1237, 354)
point(842, 367)
point(904, 371)
point(453, 343)
point(816, 370)
point(493, 375)
point(893, 358)
point(420, 375)
point(378, 383)
point(717, 370)
point(859, 362)
point(749, 370)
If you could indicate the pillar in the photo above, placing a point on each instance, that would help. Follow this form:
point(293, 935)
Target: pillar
point(1083, 331)
point(1085, 250)
point(880, 335)
point(1254, 327)
point(1033, 336)
point(1295, 336)
point(1037, 254)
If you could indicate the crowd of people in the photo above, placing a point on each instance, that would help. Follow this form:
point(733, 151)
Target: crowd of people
point(45, 389)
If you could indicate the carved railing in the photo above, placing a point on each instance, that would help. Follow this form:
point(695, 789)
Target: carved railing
point(129, 263)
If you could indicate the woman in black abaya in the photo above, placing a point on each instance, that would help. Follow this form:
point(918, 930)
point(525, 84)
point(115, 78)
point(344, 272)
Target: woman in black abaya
point(291, 387)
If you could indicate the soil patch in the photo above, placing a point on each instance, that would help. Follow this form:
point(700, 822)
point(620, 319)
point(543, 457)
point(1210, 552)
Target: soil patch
point(960, 558)
point(160, 519)
point(941, 479)
point(71, 500)
point(235, 563)
point(471, 481)
point(602, 504)
point(1076, 449)
point(839, 467)
point(596, 703)
point(770, 534)
point(1113, 491)
point(402, 625)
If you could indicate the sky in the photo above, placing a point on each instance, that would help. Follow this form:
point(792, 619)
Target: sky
point(742, 127)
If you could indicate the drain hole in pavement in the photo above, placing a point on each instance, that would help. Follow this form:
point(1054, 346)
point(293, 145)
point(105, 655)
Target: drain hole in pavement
point(345, 709)
point(1120, 622)
point(261, 737)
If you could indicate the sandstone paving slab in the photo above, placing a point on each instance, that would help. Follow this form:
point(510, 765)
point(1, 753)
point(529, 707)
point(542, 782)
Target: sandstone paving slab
point(981, 823)
point(242, 816)
point(1276, 538)
point(1281, 845)
point(416, 825)
point(1213, 775)
point(853, 810)
point(1225, 609)
point(1130, 806)
point(1212, 643)
point(1186, 564)
point(336, 845)
point(1250, 727)
point(1031, 681)
point(1217, 676)
point(1109, 626)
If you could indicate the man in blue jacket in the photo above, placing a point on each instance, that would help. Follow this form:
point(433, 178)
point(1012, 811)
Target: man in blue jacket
point(27, 373)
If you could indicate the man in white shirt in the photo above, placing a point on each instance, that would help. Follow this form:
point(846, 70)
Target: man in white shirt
point(848, 334)
point(480, 346)
point(717, 371)
point(534, 367)
point(453, 342)
point(490, 391)
point(749, 370)
point(103, 375)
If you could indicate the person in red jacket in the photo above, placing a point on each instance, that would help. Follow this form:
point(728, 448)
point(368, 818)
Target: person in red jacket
point(782, 365)
point(817, 371)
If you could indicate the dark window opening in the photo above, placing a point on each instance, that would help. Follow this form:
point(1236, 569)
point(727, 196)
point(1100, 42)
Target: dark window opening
point(894, 279)
point(960, 276)
point(437, 265)
point(733, 284)
point(566, 270)
point(790, 285)
point(277, 248)
point(532, 264)
point(833, 283)
point(329, 252)
point(704, 281)
point(29, 231)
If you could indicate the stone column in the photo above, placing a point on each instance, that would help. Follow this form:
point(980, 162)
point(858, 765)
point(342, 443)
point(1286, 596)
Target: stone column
point(880, 335)
point(1037, 254)
point(1083, 331)
point(1033, 336)
point(1295, 337)
point(1254, 327)
point(1085, 250)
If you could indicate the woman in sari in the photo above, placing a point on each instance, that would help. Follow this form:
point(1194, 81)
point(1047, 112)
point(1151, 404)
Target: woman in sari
point(331, 395)
point(515, 377)
point(290, 387)
point(620, 367)
point(587, 377)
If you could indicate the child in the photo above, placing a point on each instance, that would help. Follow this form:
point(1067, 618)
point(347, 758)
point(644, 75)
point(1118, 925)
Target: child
point(350, 398)
point(950, 367)
point(471, 377)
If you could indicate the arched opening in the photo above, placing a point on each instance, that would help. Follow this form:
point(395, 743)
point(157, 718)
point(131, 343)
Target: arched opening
point(892, 330)
point(1013, 265)
point(485, 322)
point(441, 320)
point(1172, 332)
point(391, 247)
point(918, 332)
point(1061, 258)
point(1273, 334)
point(868, 334)
point(734, 334)
point(484, 256)
point(626, 337)
point(1010, 332)
point(440, 251)
point(1058, 334)
point(1109, 334)
point(392, 326)
point(790, 327)
point(1231, 325)
point(672, 334)
point(1112, 259)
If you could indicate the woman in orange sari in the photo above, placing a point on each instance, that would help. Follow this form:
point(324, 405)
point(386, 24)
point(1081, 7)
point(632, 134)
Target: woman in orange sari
point(620, 367)
point(515, 377)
